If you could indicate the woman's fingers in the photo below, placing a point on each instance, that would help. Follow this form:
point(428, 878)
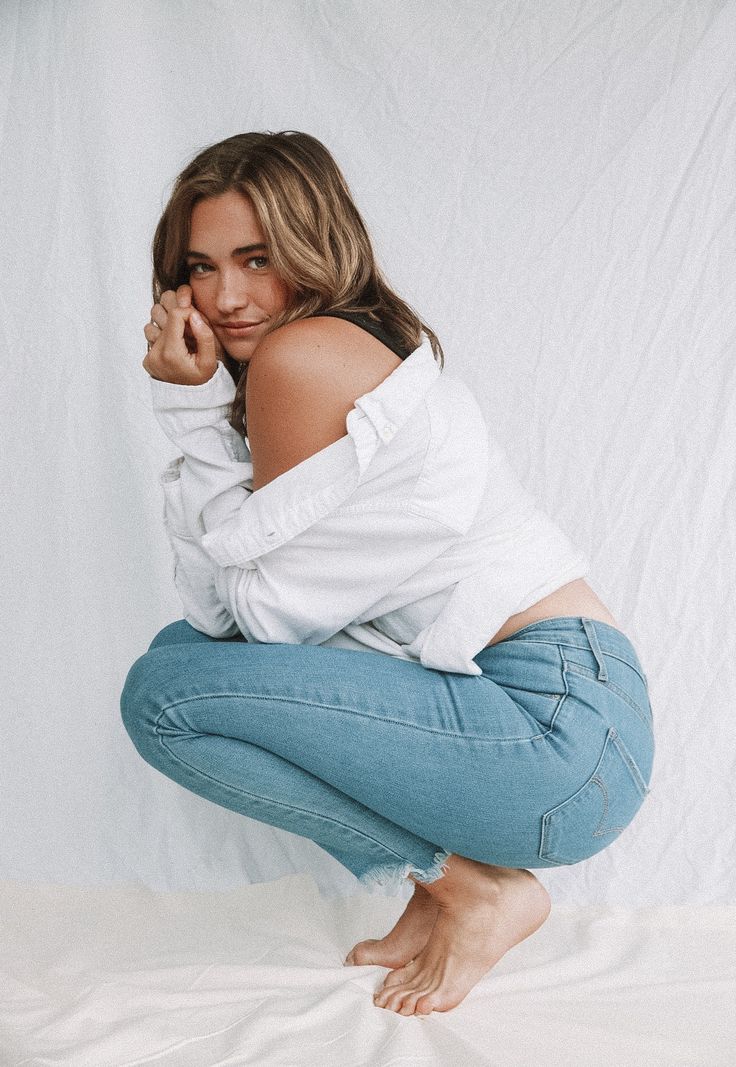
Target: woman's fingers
point(179, 297)
point(151, 332)
point(206, 344)
point(175, 353)
point(168, 299)
point(178, 351)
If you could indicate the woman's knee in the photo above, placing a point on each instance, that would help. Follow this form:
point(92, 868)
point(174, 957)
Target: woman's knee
point(138, 703)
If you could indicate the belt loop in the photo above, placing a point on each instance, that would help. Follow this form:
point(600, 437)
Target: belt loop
point(595, 648)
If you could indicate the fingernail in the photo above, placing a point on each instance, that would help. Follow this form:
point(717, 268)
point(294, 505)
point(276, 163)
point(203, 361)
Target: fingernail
point(196, 318)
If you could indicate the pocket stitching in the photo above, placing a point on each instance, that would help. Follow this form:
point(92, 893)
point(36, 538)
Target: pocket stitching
point(612, 735)
point(630, 763)
point(611, 829)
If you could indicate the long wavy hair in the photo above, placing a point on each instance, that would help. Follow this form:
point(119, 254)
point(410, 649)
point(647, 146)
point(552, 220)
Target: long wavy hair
point(317, 241)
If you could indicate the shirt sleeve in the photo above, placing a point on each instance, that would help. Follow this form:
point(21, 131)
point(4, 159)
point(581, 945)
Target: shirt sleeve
point(333, 573)
point(325, 543)
point(194, 571)
point(216, 471)
point(336, 539)
point(212, 477)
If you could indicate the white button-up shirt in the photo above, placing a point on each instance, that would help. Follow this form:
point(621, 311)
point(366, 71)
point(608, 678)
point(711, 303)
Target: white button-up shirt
point(410, 535)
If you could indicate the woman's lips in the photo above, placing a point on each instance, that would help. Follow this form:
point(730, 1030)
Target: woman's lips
point(242, 330)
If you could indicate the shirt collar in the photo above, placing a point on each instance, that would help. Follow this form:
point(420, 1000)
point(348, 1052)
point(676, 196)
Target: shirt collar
point(391, 403)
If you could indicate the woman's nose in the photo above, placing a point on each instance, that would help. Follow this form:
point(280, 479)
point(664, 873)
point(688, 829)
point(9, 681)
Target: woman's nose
point(232, 292)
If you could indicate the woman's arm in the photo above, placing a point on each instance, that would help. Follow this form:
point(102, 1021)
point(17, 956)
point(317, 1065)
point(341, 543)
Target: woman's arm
point(192, 394)
point(216, 471)
point(330, 537)
point(288, 562)
point(194, 572)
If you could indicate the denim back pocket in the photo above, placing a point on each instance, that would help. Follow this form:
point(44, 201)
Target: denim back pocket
point(595, 816)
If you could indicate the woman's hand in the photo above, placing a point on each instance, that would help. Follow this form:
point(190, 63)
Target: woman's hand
point(182, 349)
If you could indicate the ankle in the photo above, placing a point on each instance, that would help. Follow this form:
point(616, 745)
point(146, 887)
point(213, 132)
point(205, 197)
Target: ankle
point(467, 881)
point(420, 895)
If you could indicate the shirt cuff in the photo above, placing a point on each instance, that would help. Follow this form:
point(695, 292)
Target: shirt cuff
point(180, 409)
point(219, 390)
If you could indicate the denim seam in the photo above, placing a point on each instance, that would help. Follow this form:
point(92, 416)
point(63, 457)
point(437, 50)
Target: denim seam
point(588, 672)
point(265, 800)
point(534, 692)
point(633, 769)
point(621, 659)
point(586, 648)
point(367, 715)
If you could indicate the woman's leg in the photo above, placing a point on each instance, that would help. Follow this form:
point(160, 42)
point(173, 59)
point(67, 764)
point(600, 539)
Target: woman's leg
point(197, 698)
point(191, 705)
point(484, 910)
point(411, 932)
point(481, 912)
point(388, 766)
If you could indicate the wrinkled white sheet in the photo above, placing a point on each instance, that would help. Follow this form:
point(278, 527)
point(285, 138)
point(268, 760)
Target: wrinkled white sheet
point(552, 186)
point(116, 978)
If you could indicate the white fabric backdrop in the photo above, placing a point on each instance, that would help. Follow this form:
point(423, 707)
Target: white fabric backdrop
point(552, 186)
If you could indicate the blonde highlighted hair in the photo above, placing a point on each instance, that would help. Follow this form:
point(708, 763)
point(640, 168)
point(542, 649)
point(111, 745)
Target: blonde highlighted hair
point(318, 243)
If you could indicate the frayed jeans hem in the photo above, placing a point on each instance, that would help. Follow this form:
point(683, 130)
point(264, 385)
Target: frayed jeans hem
point(390, 878)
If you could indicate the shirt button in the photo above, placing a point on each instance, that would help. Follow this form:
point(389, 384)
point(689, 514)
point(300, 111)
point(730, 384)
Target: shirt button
point(389, 430)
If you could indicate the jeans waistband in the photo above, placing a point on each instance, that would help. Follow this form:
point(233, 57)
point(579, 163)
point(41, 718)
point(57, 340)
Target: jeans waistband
point(582, 632)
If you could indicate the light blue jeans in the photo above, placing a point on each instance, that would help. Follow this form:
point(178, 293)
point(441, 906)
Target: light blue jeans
point(540, 761)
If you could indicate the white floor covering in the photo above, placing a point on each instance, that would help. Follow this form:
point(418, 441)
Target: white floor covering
point(121, 977)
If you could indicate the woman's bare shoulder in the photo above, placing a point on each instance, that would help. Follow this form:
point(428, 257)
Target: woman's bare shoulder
point(352, 359)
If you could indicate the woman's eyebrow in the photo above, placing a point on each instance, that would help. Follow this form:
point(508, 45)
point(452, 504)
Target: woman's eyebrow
point(235, 252)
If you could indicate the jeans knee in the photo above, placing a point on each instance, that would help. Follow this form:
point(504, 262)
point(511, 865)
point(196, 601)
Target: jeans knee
point(137, 698)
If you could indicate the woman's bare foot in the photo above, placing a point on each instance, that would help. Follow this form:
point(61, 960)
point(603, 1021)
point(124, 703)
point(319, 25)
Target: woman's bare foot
point(405, 940)
point(483, 912)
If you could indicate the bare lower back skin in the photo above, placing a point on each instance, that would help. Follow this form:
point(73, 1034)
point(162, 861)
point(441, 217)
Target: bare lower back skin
point(575, 598)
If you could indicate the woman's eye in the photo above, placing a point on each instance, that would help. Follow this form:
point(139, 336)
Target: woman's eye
point(259, 261)
point(193, 268)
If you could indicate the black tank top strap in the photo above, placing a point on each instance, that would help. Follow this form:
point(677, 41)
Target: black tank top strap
point(362, 320)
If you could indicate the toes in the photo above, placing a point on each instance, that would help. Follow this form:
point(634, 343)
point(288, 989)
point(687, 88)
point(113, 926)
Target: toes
point(361, 953)
point(424, 1004)
point(387, 990)
point(390, 999)
point(411, 1000)
point(399, 976)
point(402, 1000)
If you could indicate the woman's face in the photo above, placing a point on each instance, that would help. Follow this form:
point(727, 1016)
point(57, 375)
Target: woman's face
point(233, 283)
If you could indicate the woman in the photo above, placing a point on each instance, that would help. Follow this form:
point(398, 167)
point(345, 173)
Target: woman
point(387, 647)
